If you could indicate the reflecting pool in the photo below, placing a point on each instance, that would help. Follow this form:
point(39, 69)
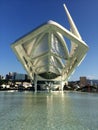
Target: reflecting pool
point(48, 111)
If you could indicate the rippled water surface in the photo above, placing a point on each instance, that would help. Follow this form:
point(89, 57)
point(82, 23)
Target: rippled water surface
point(48, 111)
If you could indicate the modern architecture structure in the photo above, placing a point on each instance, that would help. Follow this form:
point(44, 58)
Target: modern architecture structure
point(51, 52)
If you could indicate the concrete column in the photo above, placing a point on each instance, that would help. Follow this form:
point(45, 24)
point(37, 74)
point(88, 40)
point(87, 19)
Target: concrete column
point(35, 82)
point(62, 85)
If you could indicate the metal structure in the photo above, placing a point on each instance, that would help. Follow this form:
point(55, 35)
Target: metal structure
point(51, 52)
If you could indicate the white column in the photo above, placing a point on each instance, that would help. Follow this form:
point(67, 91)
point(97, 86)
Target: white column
point(62, 85)
point(35, 82)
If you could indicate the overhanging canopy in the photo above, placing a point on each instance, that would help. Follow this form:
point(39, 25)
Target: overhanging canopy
point(51, 51)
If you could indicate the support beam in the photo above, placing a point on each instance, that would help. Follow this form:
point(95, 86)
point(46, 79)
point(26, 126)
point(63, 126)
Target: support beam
point(35, 82)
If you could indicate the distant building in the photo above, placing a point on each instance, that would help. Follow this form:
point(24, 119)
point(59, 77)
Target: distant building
point(19, 76)
point(83, 81)
point(16, 76)
point(93, 82)
point(0, 77)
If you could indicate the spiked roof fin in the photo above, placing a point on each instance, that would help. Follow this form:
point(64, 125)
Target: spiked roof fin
point(73, 27)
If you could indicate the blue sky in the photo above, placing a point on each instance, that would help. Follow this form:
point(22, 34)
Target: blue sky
point(18, 17)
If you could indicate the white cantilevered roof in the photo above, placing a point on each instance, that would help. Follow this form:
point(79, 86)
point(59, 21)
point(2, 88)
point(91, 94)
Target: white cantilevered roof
point(51, 51)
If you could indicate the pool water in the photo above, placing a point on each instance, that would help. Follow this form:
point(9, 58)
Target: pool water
point(48, 111)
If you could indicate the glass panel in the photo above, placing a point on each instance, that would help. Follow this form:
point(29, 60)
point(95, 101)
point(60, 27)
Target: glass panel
point(56, 62)
point(42, 47)
point(28, 45)
point(57, 46)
